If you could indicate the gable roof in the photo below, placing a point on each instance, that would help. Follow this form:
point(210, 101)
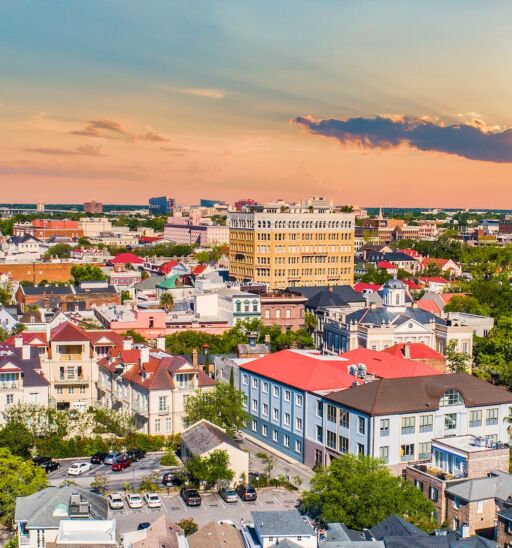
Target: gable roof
point(346, 291)
point(203, 436)
point(395, 526)
point(281, 523)
point(326, 297)
point(362, 286)
point(68, 332)
point(166, 268)
point(216, 535)
point(126, 258)
point(199, 269)
point(416, 394)
point(498, 485)
point(418, 351)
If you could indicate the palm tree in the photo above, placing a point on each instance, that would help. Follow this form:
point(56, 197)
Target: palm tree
point(166, 301)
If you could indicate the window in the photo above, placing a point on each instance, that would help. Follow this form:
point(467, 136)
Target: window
point(82, 389)
point(254, 426)
point(331, 439)
point(275, 414)
point(450, 421)
point(287, 395)
point(475, 418)
point(456, 503)
point(433, 493)
point(298, 400)
point(384, 427)
point(9, 399)
point(59, 390)
point(254, 383)
point(418, 484)
point(255, 306)
point(360, 449)
point(408, 425)
point(168, 424)
point(320, 434)
point(298, 446)
point(246, 399)
point(288, 313)
point(491, 416)
point(245, 379)
point(320, 409)
point(162, 403)
point(343, 441)
point(360, 425)
point(426, 423)
point(275, 436)
point(407, 452)
point(264, 387)
point(267, 313)
point(451, 397)
point(331, 413)
point(286, 440)
point(344, 418)
point(384, 454)
point(319, 458)
point(254, 405)
point(71, 390)
point(264, 430)
point(264, 410)
point(278, 313)
point(298, 424)
point(157, 425)
point(425, 450)
point(286, 419)
point(275, 391)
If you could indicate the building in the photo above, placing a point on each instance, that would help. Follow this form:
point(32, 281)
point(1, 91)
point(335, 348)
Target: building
point(397, 320)
point(43, 229)
point(204, 202)
point(94, 227)
point(504, 527)
point(418, 352)
point(228, 304)
point(150, 323)
point(446, 266)
point(93, 207)
point(203, 437)
point(396, 419)
point(26, 248)
point(63, 516)
point(21, 378)
point(240, 204)
point(284, 309)
point(161, 205)
point(280, 528)
point(184, 231)
point(216, 535)
point(291, 246)
point(161, 533)
point(149, 383)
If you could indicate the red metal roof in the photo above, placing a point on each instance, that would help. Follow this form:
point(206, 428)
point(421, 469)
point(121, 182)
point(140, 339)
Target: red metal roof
point(387, 265)
point(361, 286)
point(166, 268)
point(418, 351)
point(68, 332)
point(199, 269)
point(126, 258)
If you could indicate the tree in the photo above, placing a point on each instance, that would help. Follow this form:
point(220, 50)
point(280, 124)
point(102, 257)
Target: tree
point(125, 296)
point(107, 421)
point(99, 483)
point(87, 273)
point(16, 437)
point(18, 328)
point(310, 322)
point(135, 335)
point(339, 493)
point(6, 294)
point(61, 251)
point(188, 525)
point(467, 304)
point(212, 468)
point(458, 362)
point(268, 462)
point(18, 478)
point(223, 405)
point(151, 482)
point(202, 257)
point(166, 301)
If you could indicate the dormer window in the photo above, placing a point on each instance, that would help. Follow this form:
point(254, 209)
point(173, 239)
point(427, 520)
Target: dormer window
point(452, 397)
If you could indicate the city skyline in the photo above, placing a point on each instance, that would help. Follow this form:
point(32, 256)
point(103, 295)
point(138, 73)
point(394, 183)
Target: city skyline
point(365, 102)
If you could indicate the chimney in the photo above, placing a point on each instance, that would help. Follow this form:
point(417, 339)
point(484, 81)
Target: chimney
point(160, 343)
point(194, 357)
point(25, 352)
point(407, 351)
point(127, 343)
point(18, 341)
point(144, 355)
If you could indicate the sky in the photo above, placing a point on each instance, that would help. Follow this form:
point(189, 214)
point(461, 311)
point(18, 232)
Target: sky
point(374, 103)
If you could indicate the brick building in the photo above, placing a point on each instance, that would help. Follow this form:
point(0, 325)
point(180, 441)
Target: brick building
point(37, 272)
point(284, 309)
point(46, 228)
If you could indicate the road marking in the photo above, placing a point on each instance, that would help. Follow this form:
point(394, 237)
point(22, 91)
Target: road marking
point(183, 504)
point(163, 504)
point(221, 501)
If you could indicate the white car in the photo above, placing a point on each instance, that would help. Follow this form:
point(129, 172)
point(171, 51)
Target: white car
point(115, 501)
point(133, 500)
point(152, 500)
point(78, 468)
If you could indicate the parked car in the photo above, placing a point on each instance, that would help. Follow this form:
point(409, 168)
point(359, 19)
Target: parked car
point(111, 457)
point(247, 492)
point(173, 478)
point(115, 501)
point(50, 466)
point(78, 468)
point(122, 462)
point(135, 454)
point(152, 500)
point(190, 496)
point(133, 500)
point(228, 494)
point(99, 457)
point(40, 460)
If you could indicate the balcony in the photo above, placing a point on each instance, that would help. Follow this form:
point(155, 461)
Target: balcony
point(140, 410)
point(70, 357)
point(408, 430)
point(426, 428)
point(432, 470)
point(407, 458)
point(9, 385)
point(163, 411)
point(70, 380)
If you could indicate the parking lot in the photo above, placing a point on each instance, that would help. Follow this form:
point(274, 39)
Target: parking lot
point(212, 508)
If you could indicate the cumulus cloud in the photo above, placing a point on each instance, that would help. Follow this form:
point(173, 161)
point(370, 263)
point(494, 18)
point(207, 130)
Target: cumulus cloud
point(210, 93)
point(102, 128)
point(470, 139)
point(152, 136)
point(84, 150)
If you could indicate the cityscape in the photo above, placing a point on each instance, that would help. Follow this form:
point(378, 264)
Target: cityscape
point(255, 275)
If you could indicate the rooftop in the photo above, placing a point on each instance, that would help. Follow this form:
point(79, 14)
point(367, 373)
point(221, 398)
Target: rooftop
point(204, 436)
point(467, 444)
point(281, 523)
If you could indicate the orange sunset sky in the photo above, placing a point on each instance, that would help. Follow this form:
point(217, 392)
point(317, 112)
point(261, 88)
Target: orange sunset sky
point(393, 103)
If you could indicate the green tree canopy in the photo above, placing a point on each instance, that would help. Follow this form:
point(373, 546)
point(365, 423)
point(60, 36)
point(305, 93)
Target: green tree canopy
point(212, 468)
point(87, 273)
point(16, 437)
point(167, 301)
point(62, 251)
point(467, 304)
point(361, 491)
point(222, 405)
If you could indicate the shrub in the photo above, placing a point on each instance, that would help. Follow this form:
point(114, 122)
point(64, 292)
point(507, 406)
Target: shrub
point(169, 459)
point(150, 482)
point(188, 525)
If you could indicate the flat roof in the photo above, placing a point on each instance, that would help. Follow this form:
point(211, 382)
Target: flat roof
point(468, 444)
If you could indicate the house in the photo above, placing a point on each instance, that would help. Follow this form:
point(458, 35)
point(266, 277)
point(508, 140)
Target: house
point(150, 322)
point(389, 267)
point(228, 304)
point(445, 265)
point(504, 527)
point(437, 284)
point(216, 535)
point(419, 352)
point(203, 437)
point(7, 320)
point(149, 383)
point(125, 259)
point(396, 419)
point(21, 378)
point(284, 309)
point(38, 519)
point(161, 533)
point(24, 248)
point(397, 320)
point(280, 528)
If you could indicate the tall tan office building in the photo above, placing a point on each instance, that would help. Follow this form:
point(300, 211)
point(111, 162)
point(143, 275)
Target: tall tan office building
point(287, 246)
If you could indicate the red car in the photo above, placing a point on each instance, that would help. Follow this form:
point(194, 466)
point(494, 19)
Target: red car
point(121, 463)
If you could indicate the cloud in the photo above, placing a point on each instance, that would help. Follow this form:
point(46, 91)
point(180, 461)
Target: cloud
point(176, 151)
point(102, 128)
point(473, 140)
point(152, 136)
point(84, 150)
point(210, 93)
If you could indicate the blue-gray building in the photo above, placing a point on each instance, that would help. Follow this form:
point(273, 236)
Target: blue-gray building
point(161, 205)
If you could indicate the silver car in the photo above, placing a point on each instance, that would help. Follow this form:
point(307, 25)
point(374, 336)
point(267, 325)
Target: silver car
point(115, 501)
point(228, 494)
point(111, 457)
